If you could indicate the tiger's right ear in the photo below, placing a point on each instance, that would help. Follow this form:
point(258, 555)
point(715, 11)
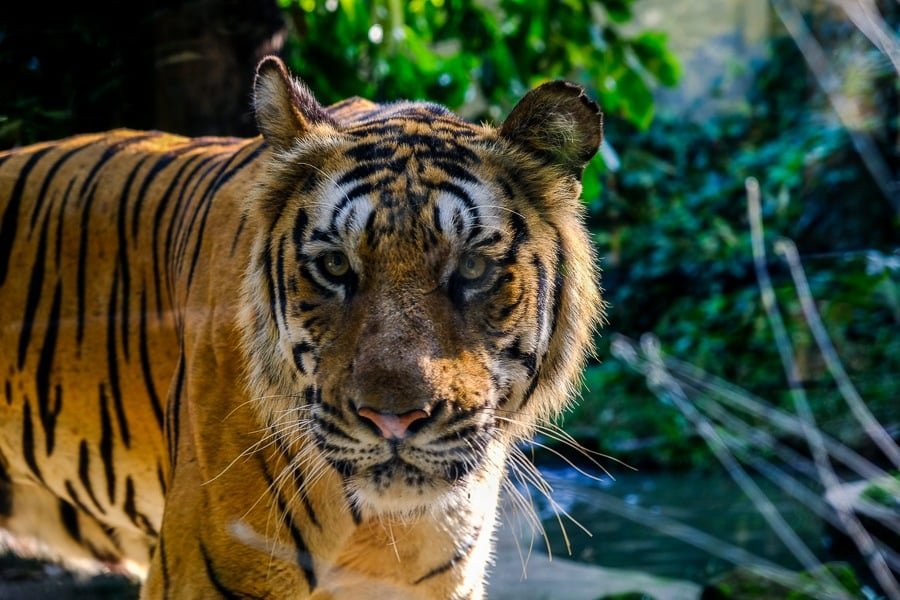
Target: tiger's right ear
point(285, 108)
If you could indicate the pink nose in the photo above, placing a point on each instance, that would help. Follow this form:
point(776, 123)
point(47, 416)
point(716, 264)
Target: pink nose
point(393, 427)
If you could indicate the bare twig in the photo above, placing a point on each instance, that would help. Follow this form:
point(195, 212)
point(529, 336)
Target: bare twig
point(749, 404)
point(870, 424)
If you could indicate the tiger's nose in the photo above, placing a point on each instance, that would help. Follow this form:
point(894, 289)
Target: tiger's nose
point(391, 426)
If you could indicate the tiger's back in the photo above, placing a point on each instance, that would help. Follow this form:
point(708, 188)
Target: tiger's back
point(90, 226)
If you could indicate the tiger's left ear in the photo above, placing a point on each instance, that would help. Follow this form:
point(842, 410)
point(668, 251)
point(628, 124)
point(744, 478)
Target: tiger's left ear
point(558, 122)
point(285, 108)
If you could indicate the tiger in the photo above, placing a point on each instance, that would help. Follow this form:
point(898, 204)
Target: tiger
point(297, 365)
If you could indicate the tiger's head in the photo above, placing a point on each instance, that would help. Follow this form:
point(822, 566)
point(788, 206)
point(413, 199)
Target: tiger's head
point(422, 290)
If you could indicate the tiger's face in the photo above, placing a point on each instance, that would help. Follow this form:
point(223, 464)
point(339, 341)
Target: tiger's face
point(416, 316)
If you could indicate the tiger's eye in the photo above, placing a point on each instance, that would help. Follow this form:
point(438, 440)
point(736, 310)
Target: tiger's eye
point(472, 266)
point(336, 264)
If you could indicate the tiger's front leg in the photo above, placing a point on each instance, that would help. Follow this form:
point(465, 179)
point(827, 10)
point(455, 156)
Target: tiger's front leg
point(226, 528)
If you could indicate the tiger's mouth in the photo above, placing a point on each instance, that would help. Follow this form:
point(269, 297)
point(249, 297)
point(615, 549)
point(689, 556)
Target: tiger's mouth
point(391, 475)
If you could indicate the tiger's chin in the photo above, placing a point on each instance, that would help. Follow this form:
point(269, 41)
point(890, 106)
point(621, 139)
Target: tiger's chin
point(400, 489)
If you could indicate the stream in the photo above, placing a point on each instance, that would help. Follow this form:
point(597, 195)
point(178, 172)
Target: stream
point(707, 508)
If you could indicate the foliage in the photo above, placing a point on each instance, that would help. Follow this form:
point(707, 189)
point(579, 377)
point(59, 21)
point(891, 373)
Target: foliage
point(478, 56)
point(672, 228)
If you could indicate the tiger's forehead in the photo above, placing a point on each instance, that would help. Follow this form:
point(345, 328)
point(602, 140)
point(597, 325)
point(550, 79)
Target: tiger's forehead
point(412, 171)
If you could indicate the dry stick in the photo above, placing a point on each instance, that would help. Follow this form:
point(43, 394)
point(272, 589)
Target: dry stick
point(742, 400)
point(851, 524)
point(665, 386)
point(784, 421)
point(870, 424)
point(817, 61)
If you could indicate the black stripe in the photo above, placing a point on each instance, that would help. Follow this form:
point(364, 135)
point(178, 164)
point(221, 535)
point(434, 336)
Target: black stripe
point(172, 413)
point(360, 190)
point(139, 519)
point(460, 555)
point(299, 484)
point(69, 517)
point(146, 370)
point(270, 283)
point(490, 240)
point(186, 226)
point(280, 287)
point(9, 224)
point(334, 430)
point(520, 236)
point(81, 281)
point(122, 255)
point(507, 186)
point(555, 309)
point(299, 349)
point(28, 441)
point(455, 170)
point(300, 225)
point(164, 564)
point(35, 286)
point(436, 218)
point(370, 150)
point(48, 178)
point(557, 282)
point(160, 476)
point(7, 388)
point(355, 513)
point(42, 374)
point(452, 188)
point(216, 582)
point(6, 490)
point(303, 557)
point(237, 234)
point(369, 168)
point(320, 235)
point(60, 221)
point(106, 446)
point(73, 496)
point(84, 473)
point(112, 361)
point(320, 289)
point(207, 205)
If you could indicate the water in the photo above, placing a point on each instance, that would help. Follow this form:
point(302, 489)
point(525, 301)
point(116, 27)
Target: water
point(625, 516)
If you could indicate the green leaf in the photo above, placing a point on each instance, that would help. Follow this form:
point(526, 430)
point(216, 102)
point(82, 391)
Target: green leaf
point(638, 103)
point(650, 49)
